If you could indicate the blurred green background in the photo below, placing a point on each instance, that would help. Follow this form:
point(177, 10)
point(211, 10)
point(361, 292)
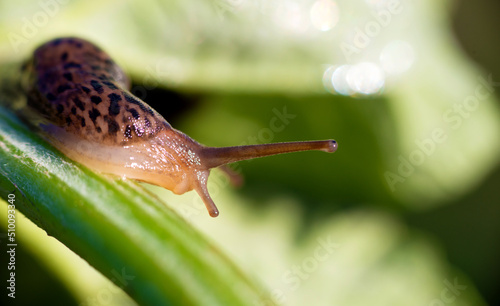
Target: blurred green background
point(404, 213)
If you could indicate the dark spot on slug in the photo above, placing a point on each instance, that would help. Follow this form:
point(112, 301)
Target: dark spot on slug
point(73, 110)
point(129, 98)
point(93, 114)
point(68, 76)
point(57, 42)
point(79, 104)
point(51, 97)
point(49, 77)
point(68, 120)
point(63, 88)
point(134, 113)
point(72, 65)
point(110, 85)
point(64, 56)
point(83, 122)
point(98, 129)
point(96, 99)
point(97, 86)
point(128, 132)
point(141, 105)
point(113, 127)
point(86, 89)
point(60, 108)
point(114, 97)
point(114, 108)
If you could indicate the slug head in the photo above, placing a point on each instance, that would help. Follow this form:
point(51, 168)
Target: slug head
point(180, 164)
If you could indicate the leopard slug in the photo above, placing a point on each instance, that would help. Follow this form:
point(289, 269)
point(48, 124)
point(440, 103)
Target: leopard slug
point(80, 100)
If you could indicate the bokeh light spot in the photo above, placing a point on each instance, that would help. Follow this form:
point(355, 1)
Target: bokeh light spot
point(324, 14)
point(365, 78)
point(339, 80)
point(397, 57)
point(290, 16)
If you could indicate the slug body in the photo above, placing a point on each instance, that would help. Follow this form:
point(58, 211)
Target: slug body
point(79, 98)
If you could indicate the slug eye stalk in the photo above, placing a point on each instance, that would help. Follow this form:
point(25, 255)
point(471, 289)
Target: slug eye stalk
point(214, 157)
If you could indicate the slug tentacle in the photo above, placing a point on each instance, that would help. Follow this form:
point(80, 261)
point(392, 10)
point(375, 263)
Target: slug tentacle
point(202, 190)
point(78, 97)
point(214, 157)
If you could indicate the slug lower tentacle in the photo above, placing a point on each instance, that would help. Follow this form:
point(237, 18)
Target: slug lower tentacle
point(79, 98)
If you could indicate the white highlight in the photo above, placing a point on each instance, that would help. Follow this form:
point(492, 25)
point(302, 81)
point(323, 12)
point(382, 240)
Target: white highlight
point(397, 57)
point(324, 14)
